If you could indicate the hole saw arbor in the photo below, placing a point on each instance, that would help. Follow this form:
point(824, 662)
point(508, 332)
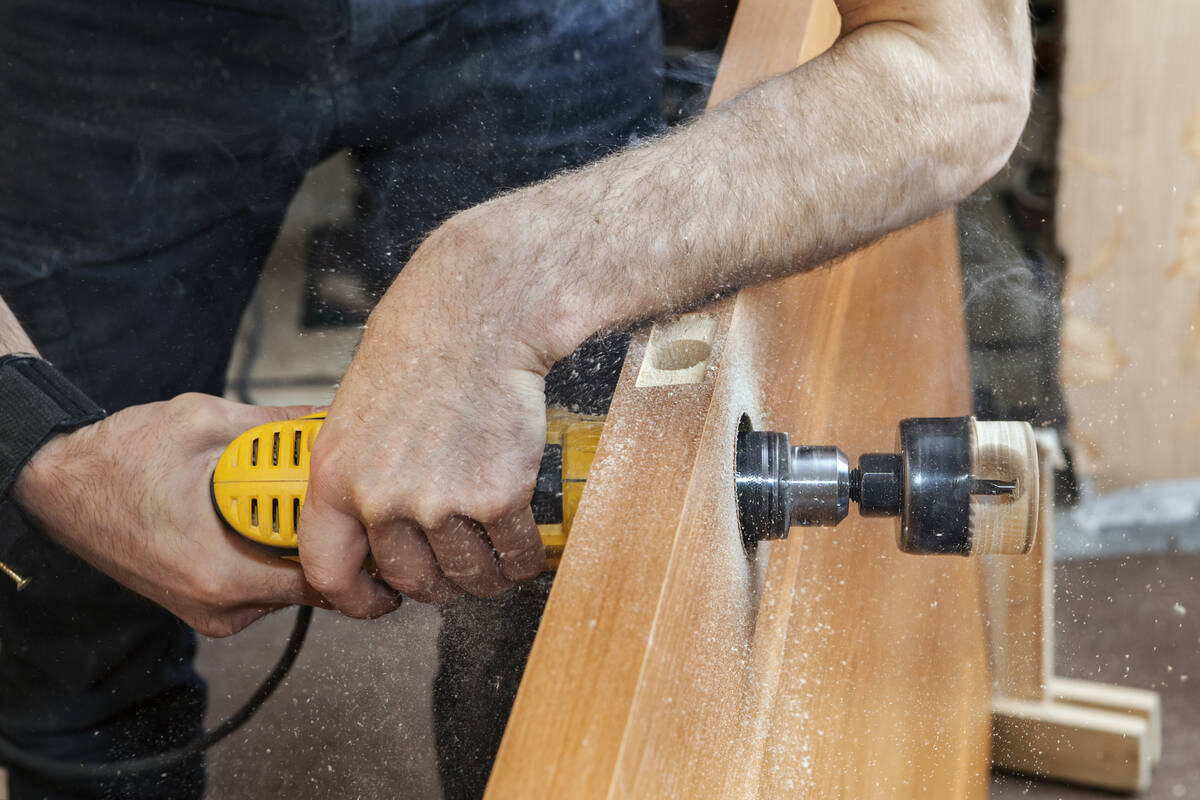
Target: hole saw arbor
point(671, 664)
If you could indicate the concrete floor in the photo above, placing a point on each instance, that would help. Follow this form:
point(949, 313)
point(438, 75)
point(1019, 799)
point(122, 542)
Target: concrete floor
point(353, 719)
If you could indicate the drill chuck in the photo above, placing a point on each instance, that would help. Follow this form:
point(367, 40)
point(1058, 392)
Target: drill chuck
point(779, 486)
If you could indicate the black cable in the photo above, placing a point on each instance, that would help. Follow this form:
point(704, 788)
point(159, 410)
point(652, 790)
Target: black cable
point(13, 755)
point(257, 315)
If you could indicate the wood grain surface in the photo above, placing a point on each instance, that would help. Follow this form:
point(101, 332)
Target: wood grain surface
point(669, 662)
point(1129, 223)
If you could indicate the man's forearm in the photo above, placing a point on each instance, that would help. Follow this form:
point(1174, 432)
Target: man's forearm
point(898, 121)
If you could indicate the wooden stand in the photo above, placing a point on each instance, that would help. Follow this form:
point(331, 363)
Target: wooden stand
point(1078, 731)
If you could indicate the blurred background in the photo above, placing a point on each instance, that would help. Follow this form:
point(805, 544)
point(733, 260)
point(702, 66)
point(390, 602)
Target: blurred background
point(1081, 277)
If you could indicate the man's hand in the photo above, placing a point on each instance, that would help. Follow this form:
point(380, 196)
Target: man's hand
point(131, 496)
point(430, 450)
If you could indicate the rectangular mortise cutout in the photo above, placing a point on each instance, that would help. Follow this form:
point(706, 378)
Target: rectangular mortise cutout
point(678, 351)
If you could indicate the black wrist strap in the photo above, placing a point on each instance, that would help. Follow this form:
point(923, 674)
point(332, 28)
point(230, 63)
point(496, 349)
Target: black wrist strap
point(36, 402)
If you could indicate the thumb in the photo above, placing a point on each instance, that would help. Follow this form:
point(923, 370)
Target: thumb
point(237, 418)
point(278, 582)
point(265, 414)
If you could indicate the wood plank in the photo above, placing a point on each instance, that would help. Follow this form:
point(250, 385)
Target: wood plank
point(668, 663)
point(1129, 223)
point(1087, 746)
point(1069, 730)
point(1020, 598)
point(1143, 703)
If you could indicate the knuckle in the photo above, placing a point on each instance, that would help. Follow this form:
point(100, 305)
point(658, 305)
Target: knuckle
point(324, 469)
point(492, 590)
point(464, 571)
point(212, 589)
point(525, 562)
point(322, 461)
point(194, 410)
point(469, 574)
point(433, 509)
point(417, 584)
point(423, 590)
point(356, 611)
point(477, 578)
point(374, 507)
point(214, 626)
point(493, 504)
point(323, 579)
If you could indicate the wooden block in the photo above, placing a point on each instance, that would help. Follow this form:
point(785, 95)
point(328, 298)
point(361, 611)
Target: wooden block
point(1020, 597)
point(1069, 730)
point(1004, 524)
point(1142, 703)
point(1084, 745)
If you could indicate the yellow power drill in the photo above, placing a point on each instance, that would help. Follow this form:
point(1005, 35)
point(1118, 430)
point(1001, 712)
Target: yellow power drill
point(957, 485)
point(260, 481)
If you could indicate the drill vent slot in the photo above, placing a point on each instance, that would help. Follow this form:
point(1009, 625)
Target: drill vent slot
point(296, 449)
point(254, 452)
point(254, 507)
point(295, 513)
point(275, 450)
point(275, 514)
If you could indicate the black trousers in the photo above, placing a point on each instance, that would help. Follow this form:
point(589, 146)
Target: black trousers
point(148, 150)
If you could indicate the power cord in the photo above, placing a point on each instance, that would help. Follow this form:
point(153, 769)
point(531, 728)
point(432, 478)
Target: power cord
point(12, 755)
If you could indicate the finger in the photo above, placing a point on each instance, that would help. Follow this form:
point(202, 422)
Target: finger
point(333, 547)
point(516, 540)
point(260, 415)
point(239, 417)
point(278, 582)
point(242, 618)
point(466, 557)
point(406, 562)
point(227, 623)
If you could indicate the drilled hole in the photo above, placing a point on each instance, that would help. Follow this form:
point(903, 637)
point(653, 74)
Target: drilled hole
point(680, 354)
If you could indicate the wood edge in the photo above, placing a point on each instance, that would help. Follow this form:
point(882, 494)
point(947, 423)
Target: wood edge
point(824, 28)
point(1144, 703)
point(1071, 743)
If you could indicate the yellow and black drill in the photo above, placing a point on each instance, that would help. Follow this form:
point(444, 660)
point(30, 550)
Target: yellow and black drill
point(956, 486)
point(261, 479)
